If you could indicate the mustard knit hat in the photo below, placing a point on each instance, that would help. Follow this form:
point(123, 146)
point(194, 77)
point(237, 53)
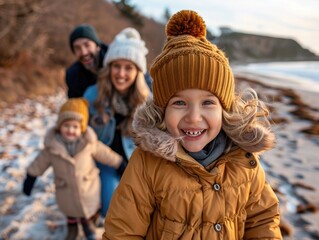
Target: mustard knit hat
point(189, 60)
point(74, 109)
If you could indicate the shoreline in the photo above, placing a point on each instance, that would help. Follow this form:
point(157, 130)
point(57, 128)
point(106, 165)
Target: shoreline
point(299, 84)
point(291, 167)
point(246, 62)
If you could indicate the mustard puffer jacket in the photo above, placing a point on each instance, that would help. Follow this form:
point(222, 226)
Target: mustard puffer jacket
point(165, 194)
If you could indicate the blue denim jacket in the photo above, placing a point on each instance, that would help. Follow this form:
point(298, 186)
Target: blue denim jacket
point(105, 133)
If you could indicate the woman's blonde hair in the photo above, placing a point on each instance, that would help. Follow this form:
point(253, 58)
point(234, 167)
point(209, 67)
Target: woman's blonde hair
point(137, 94)
point(246, 123)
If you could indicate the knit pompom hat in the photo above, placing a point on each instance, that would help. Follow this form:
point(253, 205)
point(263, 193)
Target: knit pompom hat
point(84, 31)
point(127, 45)
point(189, 60)
point(74, 109)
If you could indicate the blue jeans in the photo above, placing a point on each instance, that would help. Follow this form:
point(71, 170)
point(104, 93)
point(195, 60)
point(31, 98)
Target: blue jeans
point(109, 182)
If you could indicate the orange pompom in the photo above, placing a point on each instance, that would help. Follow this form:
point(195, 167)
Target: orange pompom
point(186, 22)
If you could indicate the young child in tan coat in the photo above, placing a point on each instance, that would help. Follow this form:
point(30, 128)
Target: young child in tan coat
point(71, 148)
point(195, 173)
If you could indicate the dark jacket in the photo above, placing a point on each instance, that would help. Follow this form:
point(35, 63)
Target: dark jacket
point(78, 78)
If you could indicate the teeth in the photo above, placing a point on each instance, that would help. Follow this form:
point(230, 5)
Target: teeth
point(193, 134)
point(87, 58)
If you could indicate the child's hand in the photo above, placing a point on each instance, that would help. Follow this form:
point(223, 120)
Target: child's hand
point(28, 184)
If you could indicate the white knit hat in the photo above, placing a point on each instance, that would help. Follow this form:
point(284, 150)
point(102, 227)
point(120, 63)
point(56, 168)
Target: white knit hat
point(127, 45)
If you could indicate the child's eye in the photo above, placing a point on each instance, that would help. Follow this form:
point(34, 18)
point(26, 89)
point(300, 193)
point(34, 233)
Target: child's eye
point(208, 102)
point(179, 103)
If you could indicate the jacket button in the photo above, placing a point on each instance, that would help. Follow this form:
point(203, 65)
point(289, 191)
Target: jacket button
point(248, 155)
point(216, 187)
point(252, 163)
point(218, 227)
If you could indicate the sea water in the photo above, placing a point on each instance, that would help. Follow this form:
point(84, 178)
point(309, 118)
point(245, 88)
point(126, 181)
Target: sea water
point(303, 75)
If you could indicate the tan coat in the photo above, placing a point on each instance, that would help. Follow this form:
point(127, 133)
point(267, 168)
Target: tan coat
point(165, 194)
point(77, 180)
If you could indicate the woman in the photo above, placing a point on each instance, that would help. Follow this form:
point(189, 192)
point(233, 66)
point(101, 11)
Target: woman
point(120, 89)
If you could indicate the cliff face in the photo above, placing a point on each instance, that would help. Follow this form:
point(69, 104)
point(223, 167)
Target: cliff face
point(245, 47)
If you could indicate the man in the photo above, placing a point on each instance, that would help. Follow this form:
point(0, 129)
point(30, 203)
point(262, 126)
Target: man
point(89, 51)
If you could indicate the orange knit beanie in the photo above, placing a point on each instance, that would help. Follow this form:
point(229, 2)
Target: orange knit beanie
point(74, 109)
point(189, 60)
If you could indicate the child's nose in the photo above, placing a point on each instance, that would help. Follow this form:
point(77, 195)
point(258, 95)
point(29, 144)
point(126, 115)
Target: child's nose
point(71, 130)
point(193, 114)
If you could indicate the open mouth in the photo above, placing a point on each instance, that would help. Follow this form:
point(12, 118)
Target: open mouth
point(120, 80)
point(193, 133)
point(70, 134)
point(86, 59)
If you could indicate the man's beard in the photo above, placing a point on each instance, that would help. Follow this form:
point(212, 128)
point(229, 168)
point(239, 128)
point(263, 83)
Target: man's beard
point(93, 67)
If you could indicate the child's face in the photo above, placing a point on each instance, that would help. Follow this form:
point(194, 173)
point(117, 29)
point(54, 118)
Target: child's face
point(196, 116)
point(70, 130)
point(123, 75)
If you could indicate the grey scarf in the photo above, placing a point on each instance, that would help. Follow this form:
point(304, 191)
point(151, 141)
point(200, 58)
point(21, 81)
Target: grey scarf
point(120, 104)
point(71, 147)
point(211, 151)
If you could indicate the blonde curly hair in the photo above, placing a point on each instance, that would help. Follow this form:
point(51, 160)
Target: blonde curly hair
point(246, 124)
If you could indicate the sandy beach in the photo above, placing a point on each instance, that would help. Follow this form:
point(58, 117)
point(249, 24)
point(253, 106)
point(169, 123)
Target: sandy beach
point(292, 167)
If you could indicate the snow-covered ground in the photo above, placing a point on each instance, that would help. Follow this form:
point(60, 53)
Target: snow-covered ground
point(21, 137)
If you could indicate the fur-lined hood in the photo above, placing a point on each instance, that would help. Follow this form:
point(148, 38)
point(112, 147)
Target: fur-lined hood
point(151, 139)
point(52, 143)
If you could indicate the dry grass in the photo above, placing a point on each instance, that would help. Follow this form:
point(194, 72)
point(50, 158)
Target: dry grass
point(26, 80)
point(309, 207)
point(304, 186)
point(313, 130)
point(303, 112)
point(38, 67)
point(286, 230)
point(279, 120)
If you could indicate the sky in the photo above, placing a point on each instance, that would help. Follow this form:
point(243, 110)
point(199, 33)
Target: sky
point(296, 19)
